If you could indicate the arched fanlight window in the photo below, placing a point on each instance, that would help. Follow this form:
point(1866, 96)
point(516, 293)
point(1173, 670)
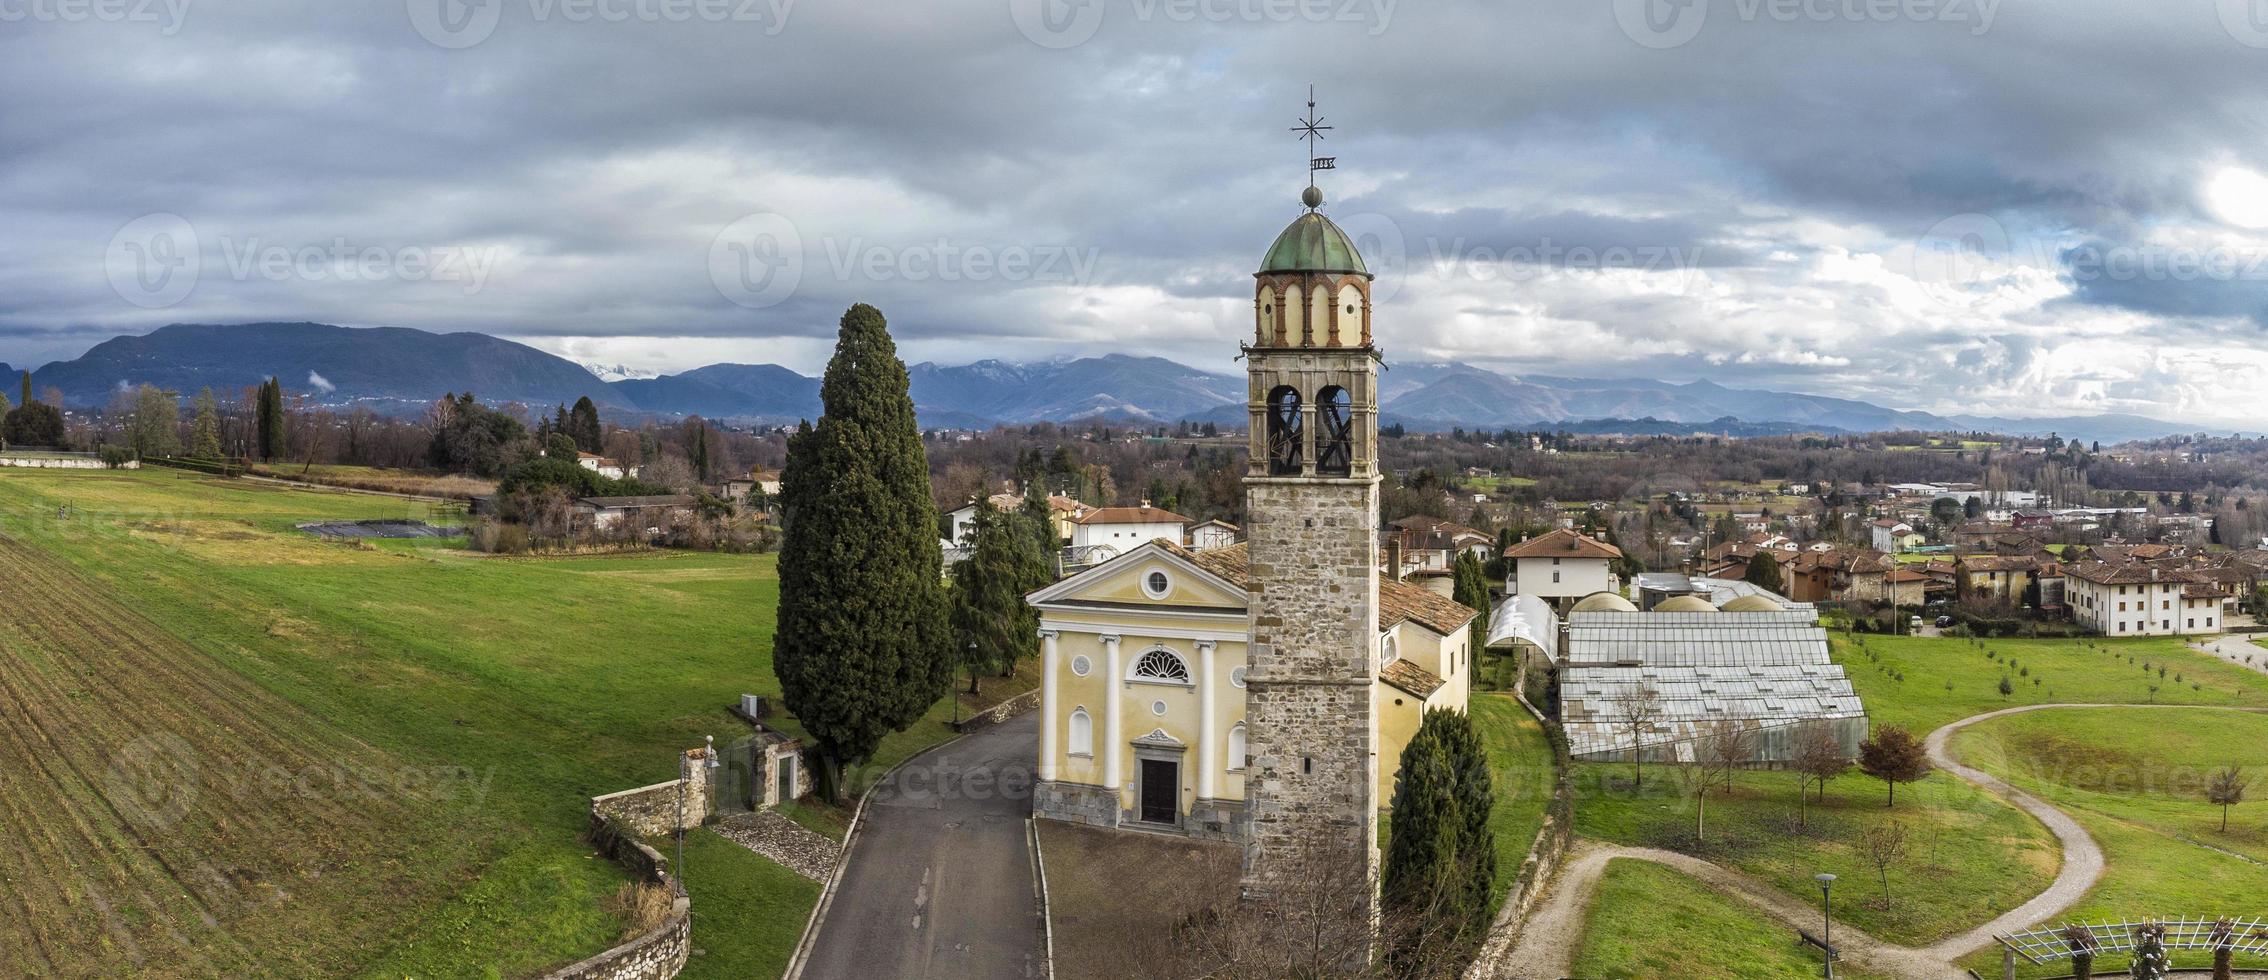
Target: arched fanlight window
point(1284, 425)
point(1334, 444)
point(1082, 733)
point(1160, 664)
point(1236, 748)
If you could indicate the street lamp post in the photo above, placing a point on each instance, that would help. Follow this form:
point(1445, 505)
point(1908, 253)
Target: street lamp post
point(1827, 914)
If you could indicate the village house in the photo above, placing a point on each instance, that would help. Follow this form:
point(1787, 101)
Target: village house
point(2005, 577)
point(1121, 529)
point(1063, 512)
point(649, 513)
point(1562, 566)
point(2137, 598)
point(1433, 543)
point(1891, 535)
point(604, 466)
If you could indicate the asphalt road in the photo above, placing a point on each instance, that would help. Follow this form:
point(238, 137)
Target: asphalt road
point(940, 881)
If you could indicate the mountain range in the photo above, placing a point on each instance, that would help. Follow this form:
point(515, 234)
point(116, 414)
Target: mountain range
point(400, 370)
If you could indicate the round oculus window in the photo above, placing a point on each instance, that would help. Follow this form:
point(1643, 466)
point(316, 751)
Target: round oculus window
point(1157, 584)
point(1157, 707)
point(1081, 665)
point(1236, 677)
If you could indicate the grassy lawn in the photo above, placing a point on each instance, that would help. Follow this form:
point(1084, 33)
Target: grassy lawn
point(1971, 856)
point(747, 911)
point(2076, 671)
point(2135, 780)
point(550, 680)
point(1519, 756)
point(1650, 921)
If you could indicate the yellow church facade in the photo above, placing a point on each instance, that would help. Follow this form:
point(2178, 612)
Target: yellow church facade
point(1143, 662)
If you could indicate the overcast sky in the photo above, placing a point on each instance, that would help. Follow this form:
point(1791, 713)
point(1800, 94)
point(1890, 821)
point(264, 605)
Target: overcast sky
point(2022, 208)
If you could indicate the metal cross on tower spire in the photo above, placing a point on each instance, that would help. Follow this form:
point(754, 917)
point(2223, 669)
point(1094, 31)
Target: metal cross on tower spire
point(1311, 130)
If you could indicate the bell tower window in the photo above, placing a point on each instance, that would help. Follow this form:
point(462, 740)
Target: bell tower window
point(1285, 431)
point(1334, 443)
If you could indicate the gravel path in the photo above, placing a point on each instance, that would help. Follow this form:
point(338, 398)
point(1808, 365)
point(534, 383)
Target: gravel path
point(803, 851)
point(2236, 648)
point(1548, 942)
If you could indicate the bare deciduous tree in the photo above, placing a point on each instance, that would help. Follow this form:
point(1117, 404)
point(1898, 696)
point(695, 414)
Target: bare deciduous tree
point(1635, 711)
point(1724, 747)
point(1818, 757)
point(1884, 844)
point(2224, 790)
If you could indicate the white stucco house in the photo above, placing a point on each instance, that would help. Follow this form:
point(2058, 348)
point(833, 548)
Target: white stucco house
point(1563, 565)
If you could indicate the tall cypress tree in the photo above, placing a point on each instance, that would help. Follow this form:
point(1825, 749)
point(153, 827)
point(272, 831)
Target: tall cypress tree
point(269, 412)
point(861, 648)
point(1440, 859)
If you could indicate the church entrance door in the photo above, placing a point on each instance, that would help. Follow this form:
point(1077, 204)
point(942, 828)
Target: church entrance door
point(1161, 791)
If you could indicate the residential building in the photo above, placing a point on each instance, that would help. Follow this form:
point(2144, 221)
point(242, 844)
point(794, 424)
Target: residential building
point(1433, 543)
point(2140, 599)
point(1891, 535)
point(1063, 511)
point(1117, 530)
point(1562, 566)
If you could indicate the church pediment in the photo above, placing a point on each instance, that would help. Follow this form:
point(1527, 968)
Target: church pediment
point(1153, 576)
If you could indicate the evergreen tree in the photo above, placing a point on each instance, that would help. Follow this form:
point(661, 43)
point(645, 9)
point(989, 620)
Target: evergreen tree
point(1039, 519)
point(862, 646)
point(1440, 858)
point(27, 399)
point(1764, 573)
point(993, 627)
point(583, 424)
point(271, 420)
point(1470, 588)
point(204, 432)
point(5, 407)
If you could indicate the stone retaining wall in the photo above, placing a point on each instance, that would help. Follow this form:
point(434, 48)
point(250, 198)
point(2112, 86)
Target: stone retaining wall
point(647, 810)
point(657, 955)
point(1542, 862)
point(619, 822)
point(1001, 712)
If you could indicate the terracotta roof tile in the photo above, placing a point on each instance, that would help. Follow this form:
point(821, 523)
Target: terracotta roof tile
point(1411, 677)
point(1563, 543)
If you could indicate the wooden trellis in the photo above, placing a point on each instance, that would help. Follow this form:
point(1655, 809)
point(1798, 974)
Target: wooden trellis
point(2243, 934)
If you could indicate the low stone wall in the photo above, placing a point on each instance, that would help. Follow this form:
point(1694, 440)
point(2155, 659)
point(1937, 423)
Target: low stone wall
point(1542, 862)
point(619, 824)
point(657, 955)
point(649, 810)
point(623, 845)
point(63, 461)
point(1001, 712)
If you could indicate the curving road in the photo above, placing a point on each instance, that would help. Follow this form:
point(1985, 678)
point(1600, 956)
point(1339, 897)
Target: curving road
point(1549, 940)
point(939, 882)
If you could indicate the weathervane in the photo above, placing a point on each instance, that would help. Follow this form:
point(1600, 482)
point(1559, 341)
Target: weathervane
point(1311, 130)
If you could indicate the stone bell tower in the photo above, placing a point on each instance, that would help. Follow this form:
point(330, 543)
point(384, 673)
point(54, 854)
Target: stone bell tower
point(1311, 504)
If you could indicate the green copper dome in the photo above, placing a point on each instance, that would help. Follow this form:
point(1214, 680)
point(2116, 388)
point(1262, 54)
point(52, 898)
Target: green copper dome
point(1313, 244)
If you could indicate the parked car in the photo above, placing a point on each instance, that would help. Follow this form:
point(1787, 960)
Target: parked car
point(1944, 621)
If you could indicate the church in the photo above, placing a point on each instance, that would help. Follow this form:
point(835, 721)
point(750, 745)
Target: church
point(1259, 693)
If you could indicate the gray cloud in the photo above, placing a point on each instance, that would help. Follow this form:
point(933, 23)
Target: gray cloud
point(590, 168)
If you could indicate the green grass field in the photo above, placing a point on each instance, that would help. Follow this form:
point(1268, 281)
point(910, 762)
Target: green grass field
point(2082, 671)
point(2135, 780)
point(550, 680)
point(1972, 856)
point(1650, 921)
point(1519, 758)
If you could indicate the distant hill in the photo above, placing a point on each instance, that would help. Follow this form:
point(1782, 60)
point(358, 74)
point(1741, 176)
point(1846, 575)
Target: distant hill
point(402, 370)
point(725, 391)
point(376, 364)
